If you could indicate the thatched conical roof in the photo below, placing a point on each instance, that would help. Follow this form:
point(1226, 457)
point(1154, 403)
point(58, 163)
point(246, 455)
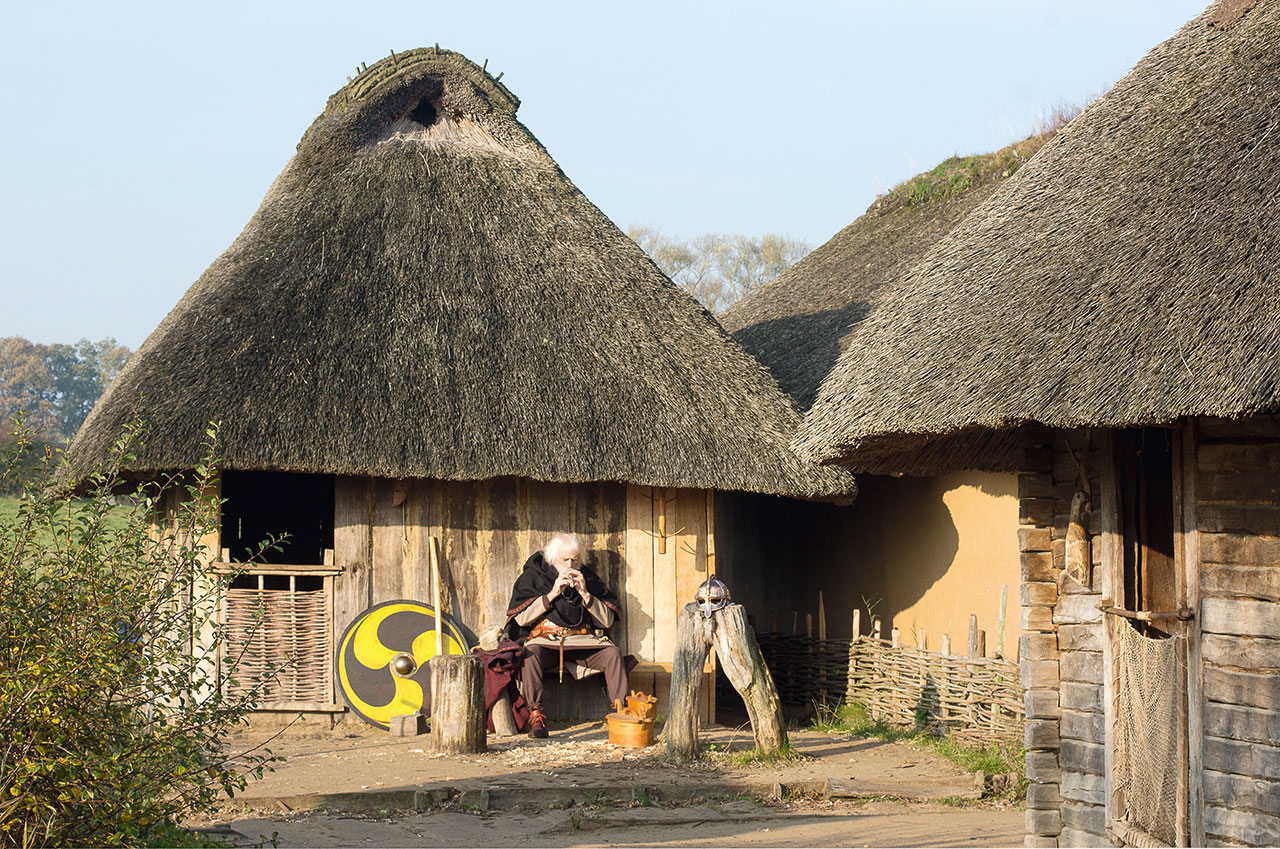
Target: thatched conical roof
point(423, 293)
point(1126, 275)
point(799, 323)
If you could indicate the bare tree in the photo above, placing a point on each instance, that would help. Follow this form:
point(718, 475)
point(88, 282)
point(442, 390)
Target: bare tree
point(719, 268)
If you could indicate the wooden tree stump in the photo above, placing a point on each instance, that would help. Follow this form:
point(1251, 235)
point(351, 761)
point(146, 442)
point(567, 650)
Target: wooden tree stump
point(457, 704)
point(743, 665)
point(504, 724)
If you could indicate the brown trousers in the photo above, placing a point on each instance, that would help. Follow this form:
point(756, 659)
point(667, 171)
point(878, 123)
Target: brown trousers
point(540, 660)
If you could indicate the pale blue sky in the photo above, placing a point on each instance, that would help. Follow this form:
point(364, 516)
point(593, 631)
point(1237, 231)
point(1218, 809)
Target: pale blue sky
point(141, 137)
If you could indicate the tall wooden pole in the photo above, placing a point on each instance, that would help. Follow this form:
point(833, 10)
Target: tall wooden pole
point(435, 597)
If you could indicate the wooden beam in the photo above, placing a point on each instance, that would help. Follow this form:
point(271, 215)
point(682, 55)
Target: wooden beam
point(1192, 571)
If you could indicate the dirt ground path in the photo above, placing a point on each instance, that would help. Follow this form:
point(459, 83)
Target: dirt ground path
point(358, 787)
point(741, 823)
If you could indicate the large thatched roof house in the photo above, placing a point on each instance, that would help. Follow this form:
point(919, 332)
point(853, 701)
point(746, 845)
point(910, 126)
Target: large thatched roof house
point(427, 330)
point(1122, 291)
point(934, 548)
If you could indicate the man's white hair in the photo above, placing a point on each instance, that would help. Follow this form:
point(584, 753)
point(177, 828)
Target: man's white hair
point(559, 544)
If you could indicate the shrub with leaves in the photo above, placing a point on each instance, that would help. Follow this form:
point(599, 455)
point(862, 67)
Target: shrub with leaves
point(112, 723)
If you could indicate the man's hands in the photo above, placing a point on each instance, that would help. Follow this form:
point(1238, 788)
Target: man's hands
point(570, 578)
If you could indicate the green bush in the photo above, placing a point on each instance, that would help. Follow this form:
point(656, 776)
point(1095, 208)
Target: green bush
point(112, 723)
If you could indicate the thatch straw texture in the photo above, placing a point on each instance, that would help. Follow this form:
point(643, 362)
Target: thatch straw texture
point(799, 323)
point(1123, 276)
point(423, 293)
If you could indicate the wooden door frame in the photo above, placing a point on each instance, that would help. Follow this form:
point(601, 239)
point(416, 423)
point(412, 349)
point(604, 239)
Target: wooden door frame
point(1190, 814)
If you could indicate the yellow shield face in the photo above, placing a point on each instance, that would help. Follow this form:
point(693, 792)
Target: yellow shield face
point(381, 664)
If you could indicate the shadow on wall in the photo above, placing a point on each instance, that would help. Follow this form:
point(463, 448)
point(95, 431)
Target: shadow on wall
point(890, 546)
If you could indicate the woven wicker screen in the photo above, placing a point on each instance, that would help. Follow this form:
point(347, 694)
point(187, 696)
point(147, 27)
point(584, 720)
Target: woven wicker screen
point(974, 700)
point(281, 637)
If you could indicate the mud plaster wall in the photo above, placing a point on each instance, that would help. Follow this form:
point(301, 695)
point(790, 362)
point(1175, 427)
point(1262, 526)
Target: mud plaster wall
point(932, 550)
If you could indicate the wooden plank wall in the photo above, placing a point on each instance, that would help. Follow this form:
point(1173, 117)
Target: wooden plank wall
point(1238, 516)
point(1061, 651)
point(487, 529)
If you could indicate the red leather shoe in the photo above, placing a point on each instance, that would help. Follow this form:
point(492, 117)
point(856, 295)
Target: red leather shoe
point(537, 724)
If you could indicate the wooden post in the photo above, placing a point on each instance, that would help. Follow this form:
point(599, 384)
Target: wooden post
point(795, 622)
point(895, 638)
point(739, 656)
point(922, 640)
point(435, 602)
point(457, 704)
point(946, 644)
point(808, 625)
point(973, 635)
point(982, 644)
point(857, 624)
point(875, 628)
point(822, 618)
point(504, 724)
point(1004, 602)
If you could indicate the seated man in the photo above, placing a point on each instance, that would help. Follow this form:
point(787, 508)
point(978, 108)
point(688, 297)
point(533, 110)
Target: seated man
point(561, 609)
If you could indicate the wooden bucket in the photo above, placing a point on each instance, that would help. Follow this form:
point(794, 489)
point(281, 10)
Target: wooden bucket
point(630, 734)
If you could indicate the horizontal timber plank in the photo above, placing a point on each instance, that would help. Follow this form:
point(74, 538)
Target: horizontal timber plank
point(1082, 725)
point(1253, 829)
point(1231, 580)
point(1238, 791)
point(1043, 822)
point(1038, 594)
point(1244, 617)
point(1084, 787)
point(1042, 704)
point(1038, 647)
point(1241, 688)
point(1262, 519)
point(1037, 619)
point(1250, 427)
point(1081, 696)
point(1251, 653)
point(1039, 674)
point(1033, 540)
point(1257, 487)
point(1041, 734)
point(1084, 817)
point(1239, 548)
point(1241, 458)
point(1076, 837)
point(1233, 722)
point(1077, 609)
point(1043, 767)
point(1038, 566)
point(1238, 758)
point(1043, 797)
point(1081, 666)
point(1080, 637)
point(1078, 756)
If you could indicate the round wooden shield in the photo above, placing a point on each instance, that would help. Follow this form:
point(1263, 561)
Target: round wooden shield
point(381, 662)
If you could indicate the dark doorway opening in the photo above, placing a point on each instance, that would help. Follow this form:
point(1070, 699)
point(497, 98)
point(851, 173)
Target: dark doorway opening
point(271, 505)
point(1144, 466)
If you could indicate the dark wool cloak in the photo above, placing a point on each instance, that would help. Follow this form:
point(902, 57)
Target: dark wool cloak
point(567, 611)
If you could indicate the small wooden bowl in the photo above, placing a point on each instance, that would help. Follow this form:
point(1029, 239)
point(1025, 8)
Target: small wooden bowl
point(630, 734)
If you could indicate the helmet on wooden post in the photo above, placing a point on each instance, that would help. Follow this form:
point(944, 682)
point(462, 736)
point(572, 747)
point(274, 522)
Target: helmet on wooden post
point(712, 595)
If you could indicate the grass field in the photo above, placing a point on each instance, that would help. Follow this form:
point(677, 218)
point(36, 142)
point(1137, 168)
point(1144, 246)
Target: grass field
point(9, 510)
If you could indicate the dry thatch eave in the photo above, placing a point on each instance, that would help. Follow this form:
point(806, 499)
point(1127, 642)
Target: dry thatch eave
point(423, 293)
point(1124, 276)
point(799, 323)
